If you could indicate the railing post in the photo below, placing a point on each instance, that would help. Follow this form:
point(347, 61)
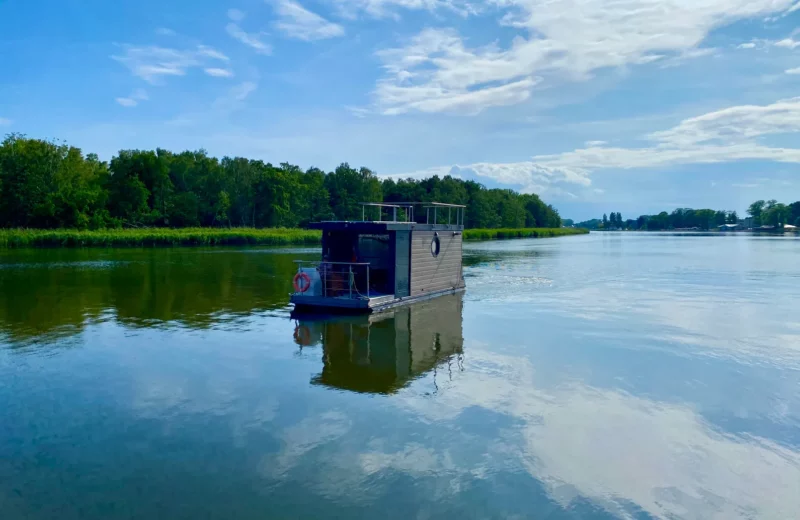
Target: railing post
point(350, 280)
point(368, 282)
point(324, 281)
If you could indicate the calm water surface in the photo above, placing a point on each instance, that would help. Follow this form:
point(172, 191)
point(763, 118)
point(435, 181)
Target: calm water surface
point(603, 376)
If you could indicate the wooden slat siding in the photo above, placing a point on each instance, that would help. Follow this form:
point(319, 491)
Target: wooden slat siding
point(435, 273)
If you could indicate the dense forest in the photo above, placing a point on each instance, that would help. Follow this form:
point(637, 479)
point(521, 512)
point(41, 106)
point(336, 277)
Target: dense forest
point(762, 213)
point(44, 184)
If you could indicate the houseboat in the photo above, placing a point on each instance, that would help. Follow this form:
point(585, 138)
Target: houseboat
point(396, 254)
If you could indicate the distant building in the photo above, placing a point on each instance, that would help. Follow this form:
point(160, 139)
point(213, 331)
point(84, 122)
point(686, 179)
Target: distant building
point(747, 223)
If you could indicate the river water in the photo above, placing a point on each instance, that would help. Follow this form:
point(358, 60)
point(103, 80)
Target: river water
point(602, 376)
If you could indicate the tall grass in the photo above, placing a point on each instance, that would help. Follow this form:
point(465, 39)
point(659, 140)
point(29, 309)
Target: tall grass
point(491, 234)
point(11, 238)
point(15, 238)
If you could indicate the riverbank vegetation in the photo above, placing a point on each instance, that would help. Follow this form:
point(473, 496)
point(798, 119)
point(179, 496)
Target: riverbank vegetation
point(492, 234)
point(49, 185)
point(16, 238)
point(760, 213)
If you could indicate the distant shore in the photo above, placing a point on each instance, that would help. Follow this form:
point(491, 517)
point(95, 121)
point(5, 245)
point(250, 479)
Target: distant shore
point(21, 238)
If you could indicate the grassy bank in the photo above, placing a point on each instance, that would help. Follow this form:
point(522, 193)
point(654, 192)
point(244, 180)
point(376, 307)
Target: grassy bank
point(492, 234)
point(14, 238)
point(156, 237)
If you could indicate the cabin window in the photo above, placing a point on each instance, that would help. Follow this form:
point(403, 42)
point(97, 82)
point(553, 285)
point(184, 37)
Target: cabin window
point(435, 245)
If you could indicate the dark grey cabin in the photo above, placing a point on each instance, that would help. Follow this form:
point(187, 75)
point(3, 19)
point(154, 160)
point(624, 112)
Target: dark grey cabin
point(368, 265)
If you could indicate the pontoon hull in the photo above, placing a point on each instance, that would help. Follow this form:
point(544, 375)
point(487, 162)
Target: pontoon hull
point(320, 304)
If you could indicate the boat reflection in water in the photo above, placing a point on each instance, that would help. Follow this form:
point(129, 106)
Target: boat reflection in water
point(383, 352)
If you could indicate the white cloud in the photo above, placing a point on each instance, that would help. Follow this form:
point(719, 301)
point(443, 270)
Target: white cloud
point(235, 15)
point(151, 63)
point(4, 121)
point(726, 135)
point(359, 112)
point(298, 22)
point(591, 144)
point(235, 97)
point(164, 31)
point(748, 45)
point(793, 71)
point(734, 124)
point(787, 43)
point(218, 73)
point(251, 40)
point(388, 8)
point(439, 64)
point(134, 99)
point(210, 52)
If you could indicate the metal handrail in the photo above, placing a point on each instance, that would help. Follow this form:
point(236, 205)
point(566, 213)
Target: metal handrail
point(351, 282)
point(327, 262)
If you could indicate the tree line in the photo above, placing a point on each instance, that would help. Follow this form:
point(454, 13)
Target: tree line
point(46, 184)
point(762, 213)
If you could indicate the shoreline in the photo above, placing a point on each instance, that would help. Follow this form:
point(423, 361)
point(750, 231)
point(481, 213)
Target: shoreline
point(186, 237)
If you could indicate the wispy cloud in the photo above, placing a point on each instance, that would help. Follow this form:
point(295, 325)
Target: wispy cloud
point(359, 112)
point(235, 97)
point(748, 45)
point(793, 71)
point(164, 31)
point(438, 65)
point(151, 63)
point(218, 73)
point(136, 96)
point(389, 8)
point(298, 22)
point(787, 43)
point(236, 15)
point(722, 136)
point(4, 121)
point(252, 40)
point(210, 52)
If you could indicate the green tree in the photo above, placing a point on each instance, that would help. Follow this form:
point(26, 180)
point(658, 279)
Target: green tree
point(755, 210)
point(776, 214)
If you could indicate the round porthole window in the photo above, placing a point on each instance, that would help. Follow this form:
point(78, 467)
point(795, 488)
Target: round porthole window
point(435, 245)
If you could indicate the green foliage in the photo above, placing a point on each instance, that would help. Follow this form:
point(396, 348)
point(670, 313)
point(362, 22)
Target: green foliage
point(15, 238)
point(755, 210)
point(776, 214)
point(491, 234)
point(48, 185)
point(44, 184)
point(156, 237)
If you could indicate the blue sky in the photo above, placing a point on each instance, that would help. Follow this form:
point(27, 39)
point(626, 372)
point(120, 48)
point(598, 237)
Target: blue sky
point(597, 105)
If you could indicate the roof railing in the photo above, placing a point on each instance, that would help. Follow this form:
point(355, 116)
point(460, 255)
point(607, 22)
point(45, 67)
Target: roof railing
point(455, 212)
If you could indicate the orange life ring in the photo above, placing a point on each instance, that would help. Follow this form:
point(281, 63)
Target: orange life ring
point(306, 285)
